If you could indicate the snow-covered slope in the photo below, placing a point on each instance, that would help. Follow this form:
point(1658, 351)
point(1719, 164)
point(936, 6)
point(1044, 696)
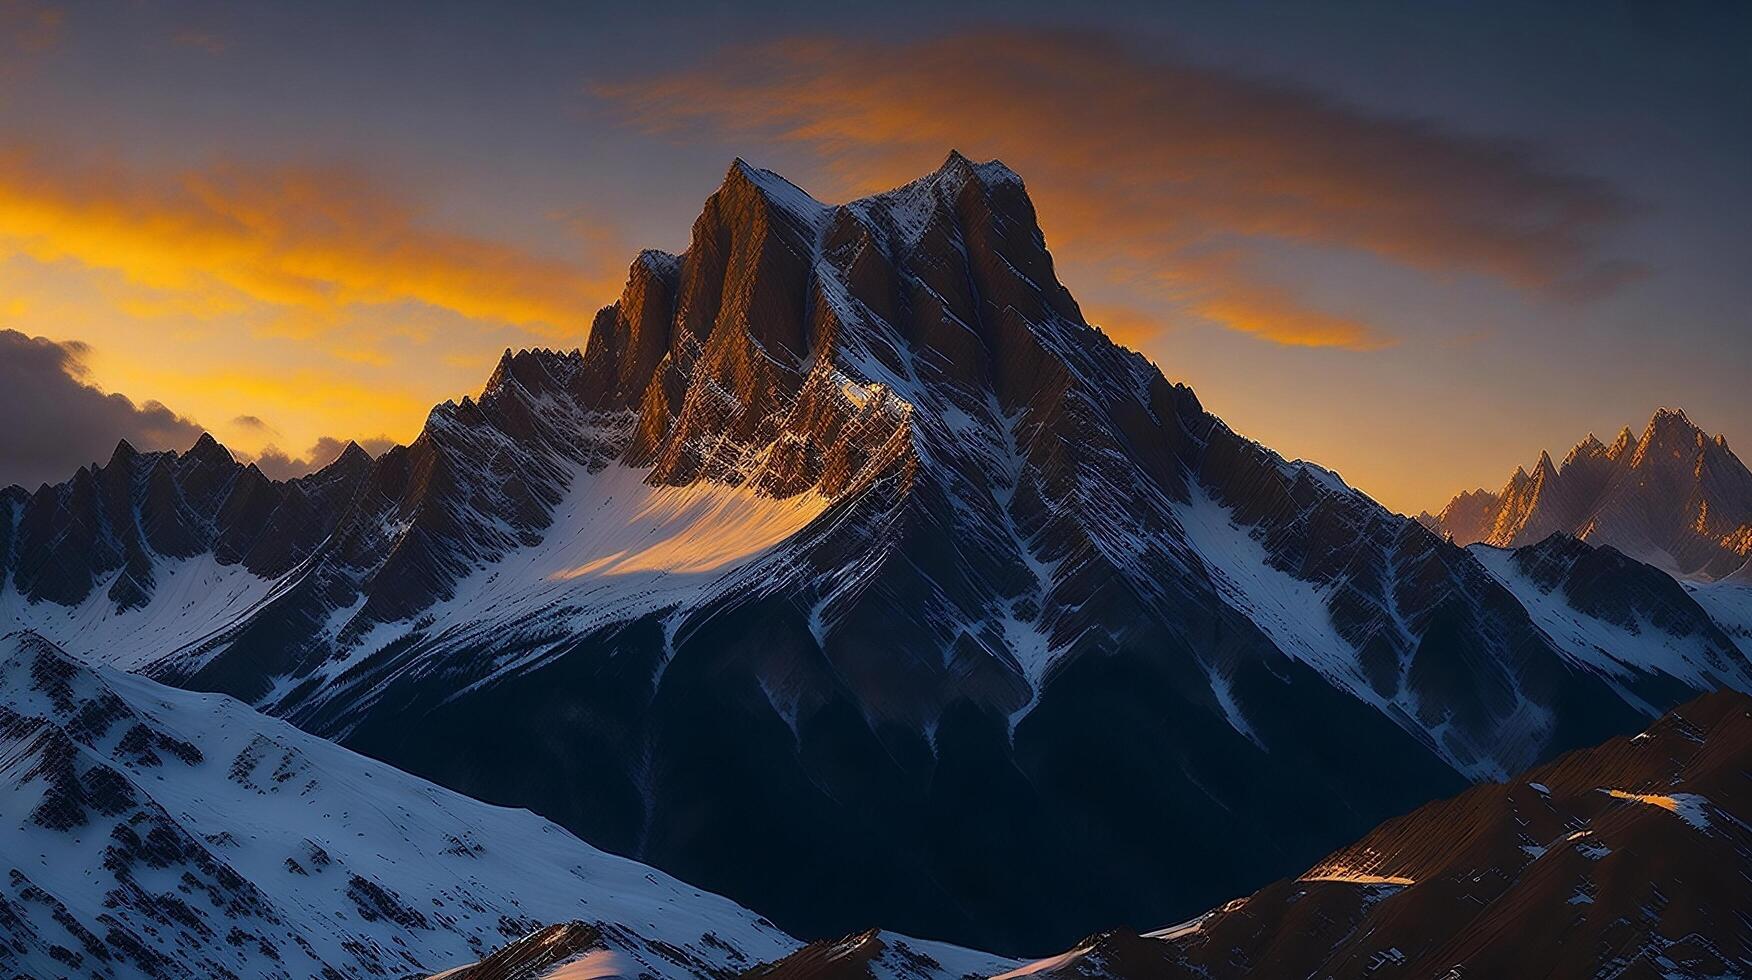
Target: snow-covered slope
point(1631, 623)
point(192, 598)
point(148, 831)
point(617, 549)
point(1295, 613)
point(1729, 603)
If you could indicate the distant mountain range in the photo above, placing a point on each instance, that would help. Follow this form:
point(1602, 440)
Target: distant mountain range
point(850, 573)
point(1676, 498)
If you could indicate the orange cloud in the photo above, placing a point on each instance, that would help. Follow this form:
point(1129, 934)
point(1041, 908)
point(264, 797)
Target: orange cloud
point(1222, 287)
point(313, 241)
point(1142, 162)
point(1278, 317)
point(1124, 323)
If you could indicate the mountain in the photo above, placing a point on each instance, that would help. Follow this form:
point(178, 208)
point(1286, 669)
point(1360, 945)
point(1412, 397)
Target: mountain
point(151, 832)
point(1676, 498)
point(1625, 860)
point(850, 573)
point(1644, 633)
point(151, 550)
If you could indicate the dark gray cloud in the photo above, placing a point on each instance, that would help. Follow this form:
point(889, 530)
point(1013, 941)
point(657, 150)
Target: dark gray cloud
point(53, 421)
point(280, 465)
point(253, 422)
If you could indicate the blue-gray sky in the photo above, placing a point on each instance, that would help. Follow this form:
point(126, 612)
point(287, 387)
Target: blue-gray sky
point(1414, 242)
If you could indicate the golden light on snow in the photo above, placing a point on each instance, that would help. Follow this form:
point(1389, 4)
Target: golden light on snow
point(1359, 878)
point(683, 531)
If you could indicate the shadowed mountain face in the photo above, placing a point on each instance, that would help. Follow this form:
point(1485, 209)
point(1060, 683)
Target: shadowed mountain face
point(849, 572)
point(1676, 498)
point(1626, 860)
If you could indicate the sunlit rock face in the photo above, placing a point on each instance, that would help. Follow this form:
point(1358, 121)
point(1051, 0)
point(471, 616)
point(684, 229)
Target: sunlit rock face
point(1676, 498)
point(1625, 859)
point(848, 571)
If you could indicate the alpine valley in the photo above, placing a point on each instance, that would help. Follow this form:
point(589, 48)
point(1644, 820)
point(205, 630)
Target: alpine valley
point(848, 573)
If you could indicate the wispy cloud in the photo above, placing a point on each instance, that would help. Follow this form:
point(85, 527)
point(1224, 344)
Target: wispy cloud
point(1142, 163)
point(311, 241)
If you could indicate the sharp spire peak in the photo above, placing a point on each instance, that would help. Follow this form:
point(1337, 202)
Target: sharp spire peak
point(956, 160)
point(774, 189)
point(1674, 417)
point(209, 448)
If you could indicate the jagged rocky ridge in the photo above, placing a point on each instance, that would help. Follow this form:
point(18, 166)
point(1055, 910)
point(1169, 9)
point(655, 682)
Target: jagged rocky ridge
point(1629, 859)
point(849, 572)
point(151, 832)
point(159, 548)
point(1676, 497)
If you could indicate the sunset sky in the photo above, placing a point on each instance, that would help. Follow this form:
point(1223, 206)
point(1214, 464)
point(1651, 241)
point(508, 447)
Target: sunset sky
point(1409, 241)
